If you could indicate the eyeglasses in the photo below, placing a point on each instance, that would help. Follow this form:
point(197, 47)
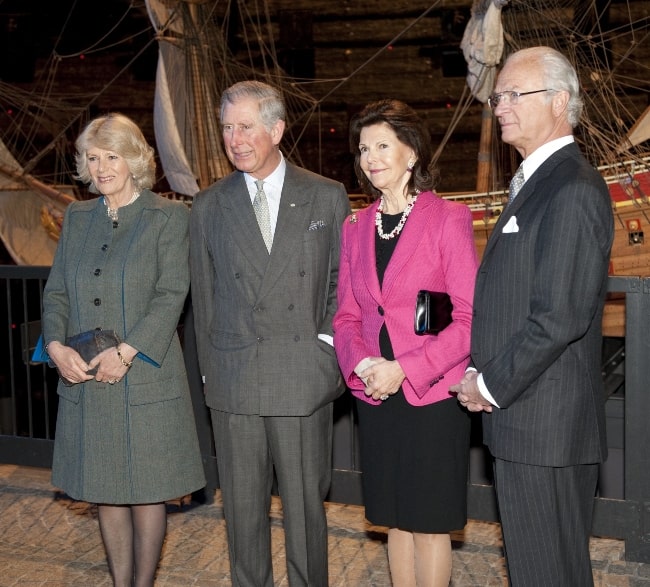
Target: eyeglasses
point(511, 97)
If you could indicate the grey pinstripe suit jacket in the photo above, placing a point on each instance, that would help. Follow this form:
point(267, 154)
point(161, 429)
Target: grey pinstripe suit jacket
point(257, 315)
point(536, 333)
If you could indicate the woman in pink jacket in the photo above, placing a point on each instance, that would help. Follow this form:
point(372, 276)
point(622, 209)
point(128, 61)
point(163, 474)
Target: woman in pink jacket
point(414, 436)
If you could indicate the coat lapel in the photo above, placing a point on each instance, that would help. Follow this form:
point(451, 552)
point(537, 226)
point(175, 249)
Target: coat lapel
point(366, 243)
point(416, 227)
point(245, 230)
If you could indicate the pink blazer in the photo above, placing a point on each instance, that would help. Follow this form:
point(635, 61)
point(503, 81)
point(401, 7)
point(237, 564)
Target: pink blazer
point(436, 252)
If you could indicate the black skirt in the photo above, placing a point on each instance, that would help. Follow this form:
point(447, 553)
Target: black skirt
point(414, 462)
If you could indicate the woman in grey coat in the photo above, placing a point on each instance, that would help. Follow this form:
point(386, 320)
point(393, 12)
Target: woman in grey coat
point(125, 434)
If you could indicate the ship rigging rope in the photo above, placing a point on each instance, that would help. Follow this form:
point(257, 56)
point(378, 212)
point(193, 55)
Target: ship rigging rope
point(583, 23)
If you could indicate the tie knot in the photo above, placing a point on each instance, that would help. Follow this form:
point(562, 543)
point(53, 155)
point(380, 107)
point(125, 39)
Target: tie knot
point(259, 183)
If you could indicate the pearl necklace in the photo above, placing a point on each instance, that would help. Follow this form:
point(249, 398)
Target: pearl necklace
point(112, 212)
point(393, 233)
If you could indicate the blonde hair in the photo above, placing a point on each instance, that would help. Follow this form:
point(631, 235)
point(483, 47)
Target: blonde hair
point(118, 133)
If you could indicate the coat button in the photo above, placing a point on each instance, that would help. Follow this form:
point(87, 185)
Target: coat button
point(290, 307)
point(296, 338)
point(97, 302)
point(380, 310)
point(260, 339)
point(302, 274)
point(104, 247)
point(98, 272)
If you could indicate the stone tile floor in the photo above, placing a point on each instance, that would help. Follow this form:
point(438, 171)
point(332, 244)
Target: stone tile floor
point(48, 540)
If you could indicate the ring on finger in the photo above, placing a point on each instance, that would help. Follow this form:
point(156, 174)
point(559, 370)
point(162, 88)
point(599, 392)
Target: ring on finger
point(111, 381)
point(384, 397)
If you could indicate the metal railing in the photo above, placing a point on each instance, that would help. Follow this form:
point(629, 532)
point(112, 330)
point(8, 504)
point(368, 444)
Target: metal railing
point(28, 414)
point(28, 397)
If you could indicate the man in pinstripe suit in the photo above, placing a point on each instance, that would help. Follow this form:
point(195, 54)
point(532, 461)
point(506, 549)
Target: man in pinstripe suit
point(536, 334)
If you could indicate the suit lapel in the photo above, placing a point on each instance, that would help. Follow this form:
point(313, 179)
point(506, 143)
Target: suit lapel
point(293, 220)
point(529, 191)
point(245, 230)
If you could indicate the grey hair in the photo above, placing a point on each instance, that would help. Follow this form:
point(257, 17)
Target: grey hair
point(270, 100)
point(559, 74)
point(118, 133)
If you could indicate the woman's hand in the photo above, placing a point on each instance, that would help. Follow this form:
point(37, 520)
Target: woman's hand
point(383, 378)
point(110, 367)
point(68, 362)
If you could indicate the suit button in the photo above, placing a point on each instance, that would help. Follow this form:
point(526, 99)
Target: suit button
point(98, 272)
point(97, 302)
point(302, 274)
point(237, 275)
point(380, 310)
point(104, 247)
point(260, 339)
point(290, 307)
point(296, 338)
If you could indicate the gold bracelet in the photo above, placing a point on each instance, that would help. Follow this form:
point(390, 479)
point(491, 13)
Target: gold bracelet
point(127, 364)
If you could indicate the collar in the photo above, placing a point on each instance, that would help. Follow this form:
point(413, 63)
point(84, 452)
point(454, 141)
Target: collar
point(541, 154)
point(275, 180)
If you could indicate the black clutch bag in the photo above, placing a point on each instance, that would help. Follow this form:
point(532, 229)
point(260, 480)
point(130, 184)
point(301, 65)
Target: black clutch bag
point(432, 312)
point(89, 344)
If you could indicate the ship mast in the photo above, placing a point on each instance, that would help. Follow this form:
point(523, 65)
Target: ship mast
point(484, 168)
point(200, 111)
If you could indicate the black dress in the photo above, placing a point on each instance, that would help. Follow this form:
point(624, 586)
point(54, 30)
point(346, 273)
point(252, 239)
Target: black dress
point(414, 459)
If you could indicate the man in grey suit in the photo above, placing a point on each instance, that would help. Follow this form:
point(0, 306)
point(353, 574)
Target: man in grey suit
point(536, 332)
point(264, 294)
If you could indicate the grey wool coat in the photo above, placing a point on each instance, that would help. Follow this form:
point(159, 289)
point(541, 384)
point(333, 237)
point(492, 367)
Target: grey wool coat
point(135, 441)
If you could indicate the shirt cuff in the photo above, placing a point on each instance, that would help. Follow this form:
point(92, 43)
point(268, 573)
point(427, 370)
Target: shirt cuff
point(484, 390)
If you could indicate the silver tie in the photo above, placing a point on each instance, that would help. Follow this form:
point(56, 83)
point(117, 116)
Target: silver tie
point(261, 207)
point(516, 183)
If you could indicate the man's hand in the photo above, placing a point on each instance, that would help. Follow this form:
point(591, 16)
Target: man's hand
point(468, 394)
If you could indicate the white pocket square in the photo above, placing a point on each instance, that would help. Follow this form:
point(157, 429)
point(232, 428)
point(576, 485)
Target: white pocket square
point(511, 225)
